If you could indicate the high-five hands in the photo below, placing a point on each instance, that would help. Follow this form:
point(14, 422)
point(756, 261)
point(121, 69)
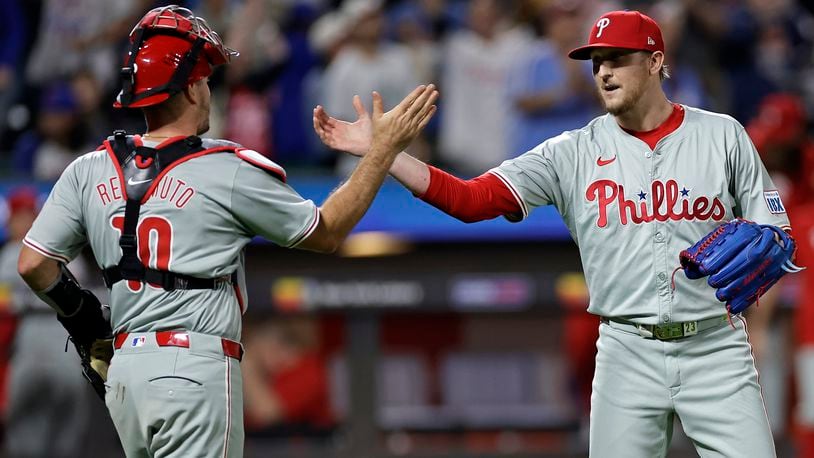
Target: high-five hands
point(398, 126)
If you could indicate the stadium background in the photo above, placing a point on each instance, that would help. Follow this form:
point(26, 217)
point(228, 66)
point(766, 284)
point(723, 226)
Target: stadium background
point(425, 336)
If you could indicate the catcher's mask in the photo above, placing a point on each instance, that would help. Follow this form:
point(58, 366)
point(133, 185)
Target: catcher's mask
point(170, 48)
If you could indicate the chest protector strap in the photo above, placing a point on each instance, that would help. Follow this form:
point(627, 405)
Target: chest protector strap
point(141, 165)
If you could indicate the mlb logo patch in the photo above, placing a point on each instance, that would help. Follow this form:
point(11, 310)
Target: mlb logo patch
point(138, 341)
point(773, 202)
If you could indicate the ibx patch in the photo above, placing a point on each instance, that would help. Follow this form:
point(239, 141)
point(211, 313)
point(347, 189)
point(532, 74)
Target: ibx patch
point(773, 202)
point(138, 341)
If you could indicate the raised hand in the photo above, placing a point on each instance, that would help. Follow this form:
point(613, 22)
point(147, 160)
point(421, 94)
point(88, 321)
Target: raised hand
point(397, 128)
point(353, 138)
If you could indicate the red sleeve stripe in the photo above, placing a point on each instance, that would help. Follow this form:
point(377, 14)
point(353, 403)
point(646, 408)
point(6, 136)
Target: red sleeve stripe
point(308, 231)
point(520, 201)
point(39, 249)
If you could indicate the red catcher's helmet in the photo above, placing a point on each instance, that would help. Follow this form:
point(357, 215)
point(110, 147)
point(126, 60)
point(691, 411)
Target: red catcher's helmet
point(170, 48)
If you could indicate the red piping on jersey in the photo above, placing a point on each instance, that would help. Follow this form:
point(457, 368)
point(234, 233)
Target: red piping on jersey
point(239, 298)
point(481, 198)
point(158, 178)
point(279, 172)
point(36, 247)
point(275, 170)
point(754, 364)
point(307, 232)
point(228, 408)
point(118, 167)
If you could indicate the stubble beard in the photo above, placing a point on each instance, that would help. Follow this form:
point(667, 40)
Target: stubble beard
point(629, 100)
point(203, 126)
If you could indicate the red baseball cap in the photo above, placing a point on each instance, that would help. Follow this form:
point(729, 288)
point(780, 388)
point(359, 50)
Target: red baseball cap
point(22, 199)
point(781, 119)
point(622, 29)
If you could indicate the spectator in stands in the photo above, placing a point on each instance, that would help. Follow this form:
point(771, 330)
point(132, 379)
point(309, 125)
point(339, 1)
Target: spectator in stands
point(550, 93)
point(475, 107)
point(685, 84)
point(291, 109)
point(57, 139)
point(76, 35)
point(286, 389)
point(779, 134)
point(12, 37)
point(412, 29)
point(247, 115)
point(89, 97)
point(367, 62)
point(49, 404)
point(758, 46)
point(803, 410)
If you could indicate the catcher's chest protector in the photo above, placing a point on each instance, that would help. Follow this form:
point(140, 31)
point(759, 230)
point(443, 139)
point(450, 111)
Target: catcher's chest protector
point(140, 170)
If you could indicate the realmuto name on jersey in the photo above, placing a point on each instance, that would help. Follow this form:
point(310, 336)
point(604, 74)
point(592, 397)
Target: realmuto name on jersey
point(665, 201)
point(173, 190)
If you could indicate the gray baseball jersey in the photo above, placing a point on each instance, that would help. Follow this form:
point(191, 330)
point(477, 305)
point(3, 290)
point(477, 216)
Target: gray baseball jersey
point(197, 221)
point(201, 212)
point(631, 210)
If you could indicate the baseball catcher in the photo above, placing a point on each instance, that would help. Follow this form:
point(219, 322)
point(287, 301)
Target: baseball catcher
point(742, 260)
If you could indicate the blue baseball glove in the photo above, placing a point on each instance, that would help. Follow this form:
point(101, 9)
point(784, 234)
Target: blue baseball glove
point(742, 259)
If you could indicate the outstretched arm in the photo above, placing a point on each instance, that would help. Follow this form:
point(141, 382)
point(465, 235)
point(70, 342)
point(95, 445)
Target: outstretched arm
point(391, 132)
point(355, 138)
point(478, 199)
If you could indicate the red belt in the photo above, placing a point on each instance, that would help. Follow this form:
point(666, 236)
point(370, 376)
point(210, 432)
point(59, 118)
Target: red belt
point(231, 348)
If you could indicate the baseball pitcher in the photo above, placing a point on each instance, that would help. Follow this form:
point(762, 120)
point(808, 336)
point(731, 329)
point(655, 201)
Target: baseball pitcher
point(167, 216)
point(646, 190)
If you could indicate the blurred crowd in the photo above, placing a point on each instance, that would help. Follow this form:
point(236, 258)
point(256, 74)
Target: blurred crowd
point(500, 64)
point(505, 84)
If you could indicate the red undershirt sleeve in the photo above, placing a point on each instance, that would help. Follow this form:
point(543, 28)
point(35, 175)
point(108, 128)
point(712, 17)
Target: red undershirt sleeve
point(481, 198)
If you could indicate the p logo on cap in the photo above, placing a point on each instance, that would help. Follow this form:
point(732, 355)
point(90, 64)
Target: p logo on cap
point(631, 30)
point(604, 22)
